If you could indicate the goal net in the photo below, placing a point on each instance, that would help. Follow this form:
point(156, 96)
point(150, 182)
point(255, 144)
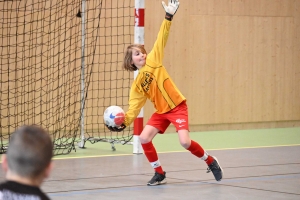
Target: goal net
point(109, 29)
point(49, 78)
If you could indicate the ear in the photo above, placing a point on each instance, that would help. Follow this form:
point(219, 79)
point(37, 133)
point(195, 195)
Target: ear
point(4, 163)
point(48, 169)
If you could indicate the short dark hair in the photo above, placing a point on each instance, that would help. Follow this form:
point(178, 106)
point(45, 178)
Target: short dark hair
point(128, 56)
point(30, 151)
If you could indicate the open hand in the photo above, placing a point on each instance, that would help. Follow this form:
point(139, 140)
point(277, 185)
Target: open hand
point(172, 6)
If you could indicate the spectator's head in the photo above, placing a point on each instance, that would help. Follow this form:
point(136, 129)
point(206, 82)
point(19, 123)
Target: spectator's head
point(29, 153)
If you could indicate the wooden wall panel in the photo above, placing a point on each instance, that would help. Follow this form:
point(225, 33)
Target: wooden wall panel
point(296, 57)
point(236, 61)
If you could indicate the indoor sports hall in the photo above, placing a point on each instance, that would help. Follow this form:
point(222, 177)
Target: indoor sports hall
point(237, 62)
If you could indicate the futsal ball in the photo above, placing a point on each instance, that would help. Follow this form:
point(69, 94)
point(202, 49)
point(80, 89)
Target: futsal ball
point(114, 116)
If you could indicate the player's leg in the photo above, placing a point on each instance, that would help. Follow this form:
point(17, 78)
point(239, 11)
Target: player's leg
point(153, 127)
point(193, 146)
point(179, 117)
point(196, 149)
point(146, 137)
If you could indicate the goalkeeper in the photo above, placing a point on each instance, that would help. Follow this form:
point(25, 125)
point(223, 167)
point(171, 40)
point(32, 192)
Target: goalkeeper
point(153, 82)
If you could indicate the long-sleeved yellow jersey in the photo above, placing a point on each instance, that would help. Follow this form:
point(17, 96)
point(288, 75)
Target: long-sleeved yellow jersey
point(153, 81)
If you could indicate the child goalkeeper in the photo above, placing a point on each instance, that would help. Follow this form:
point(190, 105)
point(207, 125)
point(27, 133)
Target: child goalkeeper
point(153, 82)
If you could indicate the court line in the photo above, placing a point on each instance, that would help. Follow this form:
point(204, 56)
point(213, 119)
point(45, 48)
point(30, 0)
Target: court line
point(179, 171)
point(162, 152)
point(183, 183)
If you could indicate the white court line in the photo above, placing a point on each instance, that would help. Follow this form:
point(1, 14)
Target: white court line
point(98, 156)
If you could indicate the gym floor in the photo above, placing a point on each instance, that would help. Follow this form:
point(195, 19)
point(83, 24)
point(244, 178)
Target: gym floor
point(258, 164)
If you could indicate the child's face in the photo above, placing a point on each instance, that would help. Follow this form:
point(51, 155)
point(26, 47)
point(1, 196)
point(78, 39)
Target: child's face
point(138, 58)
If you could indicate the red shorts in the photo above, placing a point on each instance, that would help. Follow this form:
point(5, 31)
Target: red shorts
point(177, 116)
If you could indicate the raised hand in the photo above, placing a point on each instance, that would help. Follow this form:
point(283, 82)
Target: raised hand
point(172, 7)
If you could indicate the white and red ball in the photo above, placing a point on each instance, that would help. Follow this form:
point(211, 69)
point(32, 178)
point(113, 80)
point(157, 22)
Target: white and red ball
point(114, 116)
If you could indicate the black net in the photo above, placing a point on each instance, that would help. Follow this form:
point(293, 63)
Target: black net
point(40, 67)
point(109, 30)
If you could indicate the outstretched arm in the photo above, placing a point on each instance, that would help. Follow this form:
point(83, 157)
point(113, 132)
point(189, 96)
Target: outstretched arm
point(157, 53)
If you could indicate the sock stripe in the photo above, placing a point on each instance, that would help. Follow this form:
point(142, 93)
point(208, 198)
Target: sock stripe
point(155, 164)
point(205, 156)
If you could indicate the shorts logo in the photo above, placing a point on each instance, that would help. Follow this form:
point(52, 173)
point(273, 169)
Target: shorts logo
point(179, 121)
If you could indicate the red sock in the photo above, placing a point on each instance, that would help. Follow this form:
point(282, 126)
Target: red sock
point(198, 151)
point(151, 155)
point(209, 160)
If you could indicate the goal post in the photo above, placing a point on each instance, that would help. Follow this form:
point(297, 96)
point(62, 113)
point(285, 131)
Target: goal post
point(139, 35)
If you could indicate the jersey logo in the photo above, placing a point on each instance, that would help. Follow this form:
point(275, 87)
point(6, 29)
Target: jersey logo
point(147, 82)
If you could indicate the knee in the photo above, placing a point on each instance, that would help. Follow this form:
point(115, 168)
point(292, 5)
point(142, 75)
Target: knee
point(148, 134)
point(144, 139)
point(184, 138)
point(185, 143)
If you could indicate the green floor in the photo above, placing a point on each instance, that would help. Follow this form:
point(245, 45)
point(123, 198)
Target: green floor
point(211, 140)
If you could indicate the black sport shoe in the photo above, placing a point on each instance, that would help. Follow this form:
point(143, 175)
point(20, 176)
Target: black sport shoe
point(216, 169)
point(158, 179)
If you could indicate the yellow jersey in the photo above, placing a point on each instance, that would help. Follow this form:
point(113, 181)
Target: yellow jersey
point(153, 81)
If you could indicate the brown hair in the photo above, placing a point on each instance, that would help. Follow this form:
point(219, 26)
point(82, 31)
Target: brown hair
point(30, 151)
point(128, 56)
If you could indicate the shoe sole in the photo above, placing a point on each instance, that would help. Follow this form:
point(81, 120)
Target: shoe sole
point(220, 168)
point(158, 183)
